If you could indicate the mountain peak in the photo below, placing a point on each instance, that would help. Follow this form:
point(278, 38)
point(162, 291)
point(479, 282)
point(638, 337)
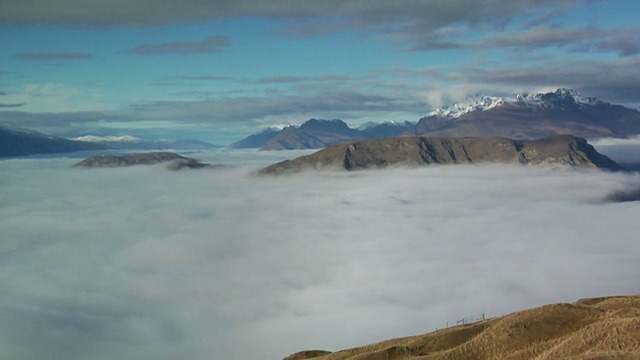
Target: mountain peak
point(558, 98)
point(320, 124)
point(458, 109)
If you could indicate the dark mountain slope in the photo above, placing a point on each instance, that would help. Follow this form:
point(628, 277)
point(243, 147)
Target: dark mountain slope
point(317, 134)
point(313, 134)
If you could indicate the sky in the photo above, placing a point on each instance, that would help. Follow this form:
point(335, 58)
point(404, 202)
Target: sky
point(147, 263)
point(218, 70)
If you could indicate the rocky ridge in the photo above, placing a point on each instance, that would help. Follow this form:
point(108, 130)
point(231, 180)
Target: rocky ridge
point(415, 150)
point(589, 329)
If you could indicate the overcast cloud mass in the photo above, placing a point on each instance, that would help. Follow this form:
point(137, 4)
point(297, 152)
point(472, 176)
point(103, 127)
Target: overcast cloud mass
point(218, 71)
point(145, 263)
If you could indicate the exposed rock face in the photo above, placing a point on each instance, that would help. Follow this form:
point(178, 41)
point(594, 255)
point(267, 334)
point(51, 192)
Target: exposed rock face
point(413, 150)
point(175, 161)
point(597, 328)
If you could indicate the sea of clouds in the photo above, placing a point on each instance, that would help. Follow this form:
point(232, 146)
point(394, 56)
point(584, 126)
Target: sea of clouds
point(146, 263)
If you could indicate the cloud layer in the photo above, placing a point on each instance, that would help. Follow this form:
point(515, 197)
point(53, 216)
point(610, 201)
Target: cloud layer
point(150, 264)
point(359, 13)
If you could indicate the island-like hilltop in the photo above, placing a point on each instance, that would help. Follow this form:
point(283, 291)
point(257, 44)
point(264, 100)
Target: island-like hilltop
point(414, 150)
point(175, 161)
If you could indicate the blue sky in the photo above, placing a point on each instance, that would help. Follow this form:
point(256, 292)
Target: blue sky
point(218, 70)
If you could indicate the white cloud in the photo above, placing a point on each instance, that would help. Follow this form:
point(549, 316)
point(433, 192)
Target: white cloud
point(146, 263)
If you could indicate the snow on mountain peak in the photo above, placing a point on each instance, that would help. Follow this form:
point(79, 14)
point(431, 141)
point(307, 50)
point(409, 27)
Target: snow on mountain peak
point(275, 128)
point(560, 95)
point(458, 109)
point(93, 138)
point(554, 98)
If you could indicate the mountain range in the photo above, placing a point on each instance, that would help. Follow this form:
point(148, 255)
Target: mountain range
point(415, 150)
point(526, 116)
point(316, 134)
point(23, 142)
point(134, 143)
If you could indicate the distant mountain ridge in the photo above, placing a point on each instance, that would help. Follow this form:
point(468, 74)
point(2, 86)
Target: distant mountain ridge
point(415, 151)
point(22, 142)
point(133, 143)
point(316, 134)
point(525, 116)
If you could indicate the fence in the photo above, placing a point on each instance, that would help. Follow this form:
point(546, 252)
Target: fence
point(471, 319)
point(466, 320)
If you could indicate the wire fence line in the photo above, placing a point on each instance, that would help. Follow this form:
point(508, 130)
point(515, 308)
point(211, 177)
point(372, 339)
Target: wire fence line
point(471, 319)
point(465, 321)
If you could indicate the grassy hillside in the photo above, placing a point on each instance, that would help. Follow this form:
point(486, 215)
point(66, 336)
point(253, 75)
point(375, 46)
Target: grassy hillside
point(597, 328)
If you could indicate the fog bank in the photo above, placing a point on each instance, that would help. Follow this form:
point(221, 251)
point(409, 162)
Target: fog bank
point(145, 263)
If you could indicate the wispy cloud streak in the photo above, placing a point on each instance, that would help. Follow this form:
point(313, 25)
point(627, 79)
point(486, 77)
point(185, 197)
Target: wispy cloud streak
point(54, 56)
point(212, 44)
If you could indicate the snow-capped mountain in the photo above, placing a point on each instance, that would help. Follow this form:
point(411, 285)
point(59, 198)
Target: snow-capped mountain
point(459, 109)
point(551, 99)
point(131, 142)
point(532, 116)
point(100, 139)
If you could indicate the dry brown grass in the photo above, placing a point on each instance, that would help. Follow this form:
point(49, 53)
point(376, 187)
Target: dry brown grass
point(589, 329)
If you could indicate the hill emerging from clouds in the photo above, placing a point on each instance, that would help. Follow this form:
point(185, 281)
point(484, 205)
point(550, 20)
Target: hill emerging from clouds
point(175, 161)
point(414, 150)
point(595, 328)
